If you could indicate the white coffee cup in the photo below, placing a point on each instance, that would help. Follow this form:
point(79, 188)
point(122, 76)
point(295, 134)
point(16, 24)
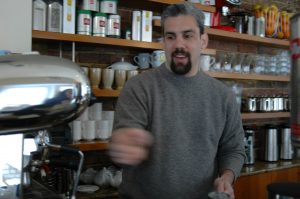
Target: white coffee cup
point(107, 78)
point(158, 57)
point(206, 62)
point(95, 76)
point(120, 78)
point(143, 60)
point(103, 129)
point(131, 73)
point(88, 130)
point(76, 130)
point(95, 111)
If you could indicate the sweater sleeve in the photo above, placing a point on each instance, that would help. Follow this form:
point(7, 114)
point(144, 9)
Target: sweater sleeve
point(131, 109)
point(231, 152)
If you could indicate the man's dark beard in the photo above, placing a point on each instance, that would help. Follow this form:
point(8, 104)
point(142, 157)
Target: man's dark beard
point(181, 69)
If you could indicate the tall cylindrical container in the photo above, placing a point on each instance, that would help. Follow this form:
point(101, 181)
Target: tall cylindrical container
point(39, 15)
point(84, 22)
point(249, 146)
point(136, 25)
point(295, 82)
point(55, 16)
point(99, 24)
point(271, 144)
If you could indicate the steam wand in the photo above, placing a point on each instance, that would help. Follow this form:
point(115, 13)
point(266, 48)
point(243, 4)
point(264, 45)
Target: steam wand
point(42, 140)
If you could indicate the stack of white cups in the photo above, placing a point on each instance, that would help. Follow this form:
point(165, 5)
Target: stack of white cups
point(104, 126)
point(92, 124)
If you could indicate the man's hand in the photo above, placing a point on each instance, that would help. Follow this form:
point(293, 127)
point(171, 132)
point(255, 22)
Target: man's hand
point(130, 146)
point(224, 183)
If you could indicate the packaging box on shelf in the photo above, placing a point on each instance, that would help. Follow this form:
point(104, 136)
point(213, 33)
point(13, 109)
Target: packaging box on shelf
point(146, 27)
point(136, 25)
point(69, 16)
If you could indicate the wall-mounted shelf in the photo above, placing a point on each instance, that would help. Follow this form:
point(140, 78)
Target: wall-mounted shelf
point(159, 5)
point(103, 145)
point(101, 40)
point(222, 75)
point(91, 145)
point(227, 75)
point(245, 38)
point(266, 115)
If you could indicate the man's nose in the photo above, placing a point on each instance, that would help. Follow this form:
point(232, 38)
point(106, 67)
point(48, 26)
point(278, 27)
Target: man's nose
point(179, 42)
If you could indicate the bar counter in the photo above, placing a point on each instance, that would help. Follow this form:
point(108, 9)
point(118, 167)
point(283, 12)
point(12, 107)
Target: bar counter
point(263, 167)
point(258, 168)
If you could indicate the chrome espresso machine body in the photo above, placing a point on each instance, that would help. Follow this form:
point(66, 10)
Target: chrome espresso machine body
point(36, 93)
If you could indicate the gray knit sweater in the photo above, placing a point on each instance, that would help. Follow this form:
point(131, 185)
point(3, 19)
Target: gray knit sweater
point(197, 133)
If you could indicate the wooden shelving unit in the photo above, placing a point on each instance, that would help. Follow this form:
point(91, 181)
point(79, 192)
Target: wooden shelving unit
point(103, 145)
point(227, 75)
point(266, 115)
point(91, 145)
point(159, 5)
point(106, 92)
point(234, 36)
point(107, 41)
point(222, 75)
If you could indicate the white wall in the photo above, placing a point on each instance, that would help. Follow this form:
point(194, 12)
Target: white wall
point(15, 25)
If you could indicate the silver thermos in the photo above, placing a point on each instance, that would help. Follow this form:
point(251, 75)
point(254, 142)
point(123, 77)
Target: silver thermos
point(286, 150)
point(271, 144)
point(249, 146)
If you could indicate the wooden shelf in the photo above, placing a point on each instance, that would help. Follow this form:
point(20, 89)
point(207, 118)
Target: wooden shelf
point(198, 5)
point(222, 75)
point(102, 40)
point(103, 145)
point(234, 36)
point(91, 145)
point(267, 115)
point(157, 6)
point(106, 92)
point(227, 75)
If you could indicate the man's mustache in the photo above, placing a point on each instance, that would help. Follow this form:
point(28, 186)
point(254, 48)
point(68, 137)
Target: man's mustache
point(180, 51)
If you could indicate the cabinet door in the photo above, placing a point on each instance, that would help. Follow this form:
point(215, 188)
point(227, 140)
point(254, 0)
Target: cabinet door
point(255, 186)
point(252, 187)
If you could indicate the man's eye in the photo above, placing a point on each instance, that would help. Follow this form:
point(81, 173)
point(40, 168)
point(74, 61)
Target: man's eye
point(188, 36)
point(169, 37)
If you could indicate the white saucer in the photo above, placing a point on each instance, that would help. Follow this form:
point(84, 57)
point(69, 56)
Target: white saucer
point(87, 188)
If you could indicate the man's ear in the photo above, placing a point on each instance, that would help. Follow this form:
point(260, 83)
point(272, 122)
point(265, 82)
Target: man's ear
point(204, 40)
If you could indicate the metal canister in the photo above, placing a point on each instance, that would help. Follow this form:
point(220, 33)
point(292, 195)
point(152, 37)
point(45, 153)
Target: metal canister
point(113, 27)
point(250, 25)
point(295, 78)
point(99, 24)
point(55, 15)
point(249, 146)
point(109, 6)
point(84, 22)
point(92, 5)
point(260, 26)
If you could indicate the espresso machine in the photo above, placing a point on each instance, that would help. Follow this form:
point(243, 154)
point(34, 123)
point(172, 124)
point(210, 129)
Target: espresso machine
point(38, 93)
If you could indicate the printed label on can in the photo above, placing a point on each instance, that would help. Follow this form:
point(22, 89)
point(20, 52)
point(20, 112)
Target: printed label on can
point(84, 24)
point(99, 26)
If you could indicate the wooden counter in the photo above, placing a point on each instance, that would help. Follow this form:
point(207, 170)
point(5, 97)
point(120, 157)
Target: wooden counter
point(250, 185)
point(263, 167)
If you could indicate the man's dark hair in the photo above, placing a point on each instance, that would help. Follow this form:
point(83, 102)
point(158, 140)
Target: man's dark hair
point(183, 9)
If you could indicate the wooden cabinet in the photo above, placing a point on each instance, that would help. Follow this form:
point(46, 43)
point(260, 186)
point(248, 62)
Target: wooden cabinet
point(254, 186)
